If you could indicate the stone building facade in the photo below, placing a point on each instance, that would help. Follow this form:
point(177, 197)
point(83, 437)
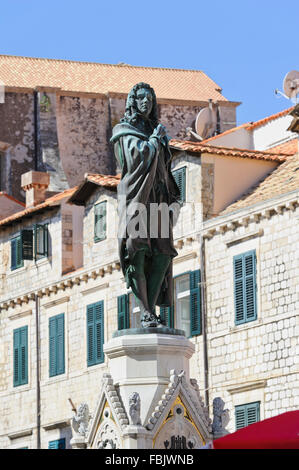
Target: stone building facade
point(245, 362)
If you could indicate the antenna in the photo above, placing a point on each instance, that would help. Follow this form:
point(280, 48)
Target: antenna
point(290, 86)
point(206, 122)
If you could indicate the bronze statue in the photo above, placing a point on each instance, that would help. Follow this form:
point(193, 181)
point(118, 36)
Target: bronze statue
point(142, 150)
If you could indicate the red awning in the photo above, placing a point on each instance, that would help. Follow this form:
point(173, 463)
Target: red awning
point(279, 432)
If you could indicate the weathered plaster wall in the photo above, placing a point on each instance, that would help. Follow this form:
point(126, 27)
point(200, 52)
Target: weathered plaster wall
point(17, 129)
point(177, 117)
point(48, 154)
point(83, 126)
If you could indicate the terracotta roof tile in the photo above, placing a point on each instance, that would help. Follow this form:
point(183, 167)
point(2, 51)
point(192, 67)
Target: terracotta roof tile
point(107, 181)
point(88, 77)
point(282, 180)
point(226, 151)
point(290, 147)
point(52, 201)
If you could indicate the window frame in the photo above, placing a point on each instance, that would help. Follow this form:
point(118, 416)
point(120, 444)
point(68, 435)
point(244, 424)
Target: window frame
point(45, 234)
point(178, 171)
point(96, 215)
point(171, 312)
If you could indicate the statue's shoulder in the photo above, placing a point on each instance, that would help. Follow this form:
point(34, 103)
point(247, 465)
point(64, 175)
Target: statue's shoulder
point(124, 128)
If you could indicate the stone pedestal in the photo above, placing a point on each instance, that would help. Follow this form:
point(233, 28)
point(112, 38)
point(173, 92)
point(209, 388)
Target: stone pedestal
point(148, 400)
point(141, 360)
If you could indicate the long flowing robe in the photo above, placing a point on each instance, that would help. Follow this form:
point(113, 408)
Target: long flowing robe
point(146, 178)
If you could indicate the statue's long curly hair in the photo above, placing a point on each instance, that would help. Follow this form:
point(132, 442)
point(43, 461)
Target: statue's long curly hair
point(132, 115)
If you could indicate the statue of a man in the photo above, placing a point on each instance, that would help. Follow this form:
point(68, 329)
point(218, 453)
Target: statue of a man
point(141, 148)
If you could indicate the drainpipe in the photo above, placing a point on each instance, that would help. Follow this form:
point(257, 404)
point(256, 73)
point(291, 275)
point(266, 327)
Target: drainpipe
point(36, 131)
point(204, 319)
point(37, 309)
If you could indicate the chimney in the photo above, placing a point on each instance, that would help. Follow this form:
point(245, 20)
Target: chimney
point(35, 184)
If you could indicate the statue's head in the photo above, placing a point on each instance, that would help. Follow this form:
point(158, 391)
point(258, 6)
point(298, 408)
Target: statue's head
point(141, 104)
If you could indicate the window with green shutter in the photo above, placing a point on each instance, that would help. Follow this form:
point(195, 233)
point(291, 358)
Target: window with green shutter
point(20, 356)
point(247, 414)
point(245, 287)
point(95, 333)
point(41, 242)
point(58, 444)
point(100, 216)
point(123, 313)
point(180, 179)
point(56, 345)
point(185, 314)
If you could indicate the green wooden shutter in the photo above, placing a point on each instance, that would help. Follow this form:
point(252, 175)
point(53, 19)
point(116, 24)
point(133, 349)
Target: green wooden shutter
point(245, 287)
point(52, 347)
point(100, 212)
point(58, 444)
point(27, 244)
point(123, 314)
point(16, 253)
point(247, 414)
point(90, 335)
point(60, 344)
point(13, 250)
point(56, 345)
point(167, 316)
point(195, 303)
point(19, 253)
point(180, 179)
point(16, 342)
point(95, 333)
point(250, 285)
point(24, 355)
point(20, 359)
point(99, 331)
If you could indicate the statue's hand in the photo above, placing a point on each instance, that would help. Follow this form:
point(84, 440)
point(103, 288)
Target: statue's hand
point(160, 131)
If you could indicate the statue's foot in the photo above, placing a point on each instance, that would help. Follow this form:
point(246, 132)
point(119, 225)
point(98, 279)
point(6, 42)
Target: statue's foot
point(150, 320)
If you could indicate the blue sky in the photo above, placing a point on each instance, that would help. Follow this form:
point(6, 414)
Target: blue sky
point(246, 46)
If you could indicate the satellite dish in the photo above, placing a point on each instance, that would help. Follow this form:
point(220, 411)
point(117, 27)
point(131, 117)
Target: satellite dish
point(206, 123)
point(291, 85)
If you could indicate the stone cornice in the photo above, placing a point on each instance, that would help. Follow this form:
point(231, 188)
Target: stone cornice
point(256, 213)
point(66, 282)
point(18, 434)
point(247, 386)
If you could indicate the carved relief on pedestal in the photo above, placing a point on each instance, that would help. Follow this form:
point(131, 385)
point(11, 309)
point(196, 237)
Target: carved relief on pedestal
point(134, 409)
point(178, 430)
point(107, 436)
point(80, 421)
